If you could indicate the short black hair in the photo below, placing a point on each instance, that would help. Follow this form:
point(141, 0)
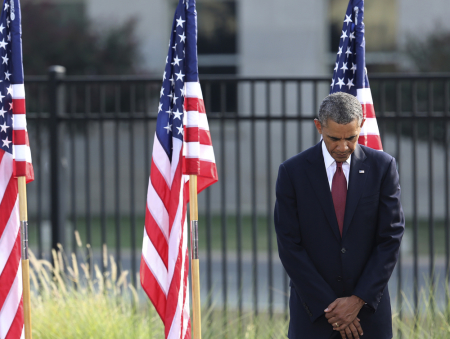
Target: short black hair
point(340, 107)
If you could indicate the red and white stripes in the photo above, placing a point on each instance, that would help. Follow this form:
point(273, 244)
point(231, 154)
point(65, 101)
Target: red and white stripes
point(370, 135)
point(164, 264)
point(11, 305)
point(198, 153)
point(165, 258)
point(21, 144)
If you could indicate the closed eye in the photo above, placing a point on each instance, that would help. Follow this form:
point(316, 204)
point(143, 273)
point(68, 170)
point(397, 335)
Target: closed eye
point(337, 139)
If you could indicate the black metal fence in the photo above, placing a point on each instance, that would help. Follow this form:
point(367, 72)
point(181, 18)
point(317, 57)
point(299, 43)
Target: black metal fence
point(91, 141)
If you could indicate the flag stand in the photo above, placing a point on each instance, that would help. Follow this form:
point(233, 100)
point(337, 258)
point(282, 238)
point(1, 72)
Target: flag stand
point(195, 270)
point(25, 261)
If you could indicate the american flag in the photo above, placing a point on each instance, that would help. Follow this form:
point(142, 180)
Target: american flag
point(182, 146)
point(350, 73)
point(15, 161)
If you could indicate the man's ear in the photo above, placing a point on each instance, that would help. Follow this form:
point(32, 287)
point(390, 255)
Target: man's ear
point(362, 122)
point(318, 125)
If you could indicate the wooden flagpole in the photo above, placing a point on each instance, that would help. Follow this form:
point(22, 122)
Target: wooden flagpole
point(25, 261)
point(195, 269)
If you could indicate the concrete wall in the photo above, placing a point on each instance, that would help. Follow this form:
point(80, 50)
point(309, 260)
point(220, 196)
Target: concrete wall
point(154, 22)
point(420, 18)
point(279, 38)
point(269, 44)
point(282, 38)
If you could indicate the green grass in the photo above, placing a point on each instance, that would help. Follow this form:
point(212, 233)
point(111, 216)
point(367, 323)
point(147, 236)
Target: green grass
point(217, 227)
point(231, 231)
point(73, 304)
point(430, 323)
point(424, 236)
point(67, 302)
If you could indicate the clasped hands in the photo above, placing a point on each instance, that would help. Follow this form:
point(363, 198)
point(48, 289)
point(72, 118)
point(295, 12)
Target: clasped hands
point(342, 315)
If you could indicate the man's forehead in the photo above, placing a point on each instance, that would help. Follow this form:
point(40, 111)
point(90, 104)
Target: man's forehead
point(329, 121)
point(331, 125)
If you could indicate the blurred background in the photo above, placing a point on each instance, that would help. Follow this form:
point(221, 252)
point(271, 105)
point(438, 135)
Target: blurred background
point(264, 68)
point(240, 37)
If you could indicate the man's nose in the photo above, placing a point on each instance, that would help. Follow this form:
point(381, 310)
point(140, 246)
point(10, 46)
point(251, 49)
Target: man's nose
point(342, 146)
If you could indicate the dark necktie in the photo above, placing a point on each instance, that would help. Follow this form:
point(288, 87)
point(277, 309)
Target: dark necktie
point(339, 194)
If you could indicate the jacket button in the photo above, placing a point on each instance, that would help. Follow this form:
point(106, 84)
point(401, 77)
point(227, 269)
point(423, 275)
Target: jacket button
point(343, 250)
point(339, 278)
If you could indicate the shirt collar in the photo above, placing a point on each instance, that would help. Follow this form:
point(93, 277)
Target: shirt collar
point(328, 159)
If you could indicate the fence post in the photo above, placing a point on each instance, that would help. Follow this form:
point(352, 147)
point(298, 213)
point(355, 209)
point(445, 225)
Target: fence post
point(56, 107)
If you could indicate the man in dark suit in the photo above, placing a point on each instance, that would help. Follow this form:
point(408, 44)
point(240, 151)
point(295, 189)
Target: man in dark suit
point(339, 224)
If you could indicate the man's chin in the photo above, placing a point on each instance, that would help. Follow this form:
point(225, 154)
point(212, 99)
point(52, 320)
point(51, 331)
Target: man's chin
point(341, 158)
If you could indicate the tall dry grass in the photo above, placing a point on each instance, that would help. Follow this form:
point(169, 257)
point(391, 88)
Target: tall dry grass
point(431, 321)
point(71, 300)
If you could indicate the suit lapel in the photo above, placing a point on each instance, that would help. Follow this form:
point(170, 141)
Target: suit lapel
point(355, 186)
point(319, 181)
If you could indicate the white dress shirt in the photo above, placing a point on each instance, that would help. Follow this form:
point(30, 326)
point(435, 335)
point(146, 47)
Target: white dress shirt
point(330, 165)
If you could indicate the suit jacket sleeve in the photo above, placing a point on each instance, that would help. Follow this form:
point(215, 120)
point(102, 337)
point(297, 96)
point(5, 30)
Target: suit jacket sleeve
point(391, 225)
point(314, 291)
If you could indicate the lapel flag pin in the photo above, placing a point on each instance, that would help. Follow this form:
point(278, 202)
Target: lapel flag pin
point(361, 171)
